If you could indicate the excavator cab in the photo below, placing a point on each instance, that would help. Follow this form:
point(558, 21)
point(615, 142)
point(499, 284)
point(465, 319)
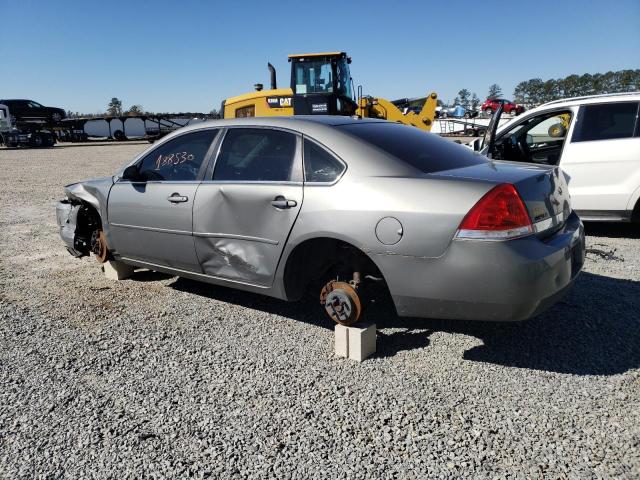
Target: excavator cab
point(321, 84)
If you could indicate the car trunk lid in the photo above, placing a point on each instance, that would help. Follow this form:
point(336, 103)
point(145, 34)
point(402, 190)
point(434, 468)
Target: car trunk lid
point(543, 189)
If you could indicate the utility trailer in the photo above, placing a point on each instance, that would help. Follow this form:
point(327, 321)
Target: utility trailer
point(22, 132)
point(122, 128)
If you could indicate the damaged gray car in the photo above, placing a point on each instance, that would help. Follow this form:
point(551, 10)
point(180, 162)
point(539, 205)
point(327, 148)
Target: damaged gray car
point(279, 206)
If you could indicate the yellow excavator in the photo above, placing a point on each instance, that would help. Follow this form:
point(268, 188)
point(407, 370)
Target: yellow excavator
point(321, 84)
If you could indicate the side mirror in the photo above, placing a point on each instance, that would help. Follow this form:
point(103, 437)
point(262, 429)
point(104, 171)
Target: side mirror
point(131, 173)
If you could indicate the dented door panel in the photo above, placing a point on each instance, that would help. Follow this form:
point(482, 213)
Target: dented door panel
point(239, 234)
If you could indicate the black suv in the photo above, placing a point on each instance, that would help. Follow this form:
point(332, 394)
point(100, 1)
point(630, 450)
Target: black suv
point(30, 111)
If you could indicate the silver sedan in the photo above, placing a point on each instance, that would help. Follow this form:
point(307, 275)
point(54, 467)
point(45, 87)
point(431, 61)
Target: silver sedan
point(279, 206)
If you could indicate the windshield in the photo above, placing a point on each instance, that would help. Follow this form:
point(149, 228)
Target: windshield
point(313, 77)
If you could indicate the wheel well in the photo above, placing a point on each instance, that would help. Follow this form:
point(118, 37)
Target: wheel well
point(87, 222)
point(635, 214)
point(316, 260)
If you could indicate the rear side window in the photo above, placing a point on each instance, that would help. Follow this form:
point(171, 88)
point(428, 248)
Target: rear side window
point(256, 154)
point(320, 165)
point(605, 121)
point(425, 151)
point(179, 159)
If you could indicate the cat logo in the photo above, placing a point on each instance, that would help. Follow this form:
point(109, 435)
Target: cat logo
point(279, 102)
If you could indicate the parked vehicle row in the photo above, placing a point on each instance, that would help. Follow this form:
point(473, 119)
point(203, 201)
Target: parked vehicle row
point(27, 123)
point(487, 108)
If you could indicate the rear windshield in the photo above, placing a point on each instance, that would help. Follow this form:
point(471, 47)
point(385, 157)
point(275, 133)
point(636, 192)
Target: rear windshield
point(424, 151)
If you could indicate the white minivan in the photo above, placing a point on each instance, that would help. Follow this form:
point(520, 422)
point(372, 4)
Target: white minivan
point(596, 142)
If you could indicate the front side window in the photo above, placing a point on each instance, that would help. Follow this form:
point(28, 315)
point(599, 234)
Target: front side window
point(605, 121)
point(256, 154)
point(320, 165)
point(179, 159)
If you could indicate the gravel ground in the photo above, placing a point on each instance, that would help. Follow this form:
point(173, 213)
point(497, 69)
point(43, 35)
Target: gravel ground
point(160, 377)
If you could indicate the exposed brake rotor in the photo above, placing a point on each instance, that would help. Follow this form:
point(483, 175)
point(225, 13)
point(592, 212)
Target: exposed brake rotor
point(99, 246)
point(341, 302)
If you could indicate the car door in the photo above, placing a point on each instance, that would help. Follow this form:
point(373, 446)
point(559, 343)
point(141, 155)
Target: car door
point(536, 139)
point(20, 109)
point(150, 214)
point(603, 158)
point(244, 211)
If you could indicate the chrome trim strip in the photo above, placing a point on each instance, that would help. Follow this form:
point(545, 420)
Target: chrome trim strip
point(249, 182)
point(198, 234)
point(235, 237)
point(150, 229)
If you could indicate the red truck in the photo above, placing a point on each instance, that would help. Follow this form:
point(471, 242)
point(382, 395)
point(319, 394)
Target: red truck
point(491, 105)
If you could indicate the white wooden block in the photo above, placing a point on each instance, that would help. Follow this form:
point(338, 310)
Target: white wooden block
point(341, 341)
point(362, 341)
point(115, 270)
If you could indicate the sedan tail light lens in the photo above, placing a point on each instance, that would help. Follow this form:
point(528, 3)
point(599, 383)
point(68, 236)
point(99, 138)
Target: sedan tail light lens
point(499, 215)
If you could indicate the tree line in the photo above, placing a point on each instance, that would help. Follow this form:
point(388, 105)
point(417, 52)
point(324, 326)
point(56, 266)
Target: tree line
point(533, 92)
point(115, 109)
point(536, 91)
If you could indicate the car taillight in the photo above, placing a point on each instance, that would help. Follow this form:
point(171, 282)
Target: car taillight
point(499, 215)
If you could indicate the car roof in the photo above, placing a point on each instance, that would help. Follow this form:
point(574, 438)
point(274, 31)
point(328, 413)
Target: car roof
point(572, 102)
point(607, 97)
point(302, 123)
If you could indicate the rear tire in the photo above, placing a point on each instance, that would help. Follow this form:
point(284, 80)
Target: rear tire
point(37, 140)
point(488, 111)
point(119, 136)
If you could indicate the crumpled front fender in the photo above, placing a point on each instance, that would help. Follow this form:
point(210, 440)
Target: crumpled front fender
point(94, 192)
point(67, 217)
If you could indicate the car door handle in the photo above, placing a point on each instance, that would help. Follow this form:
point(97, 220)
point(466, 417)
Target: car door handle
point(281, 202)
point(177, 198)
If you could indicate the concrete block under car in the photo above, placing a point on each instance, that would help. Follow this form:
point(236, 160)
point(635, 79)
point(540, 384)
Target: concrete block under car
point(342, 341)
point(356, 342)
point(115, 270)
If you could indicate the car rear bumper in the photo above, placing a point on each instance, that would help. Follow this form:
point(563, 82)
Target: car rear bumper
point(488, 280)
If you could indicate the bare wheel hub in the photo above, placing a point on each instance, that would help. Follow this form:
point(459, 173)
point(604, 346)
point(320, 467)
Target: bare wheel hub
point(99, 246)
point(341, 302)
